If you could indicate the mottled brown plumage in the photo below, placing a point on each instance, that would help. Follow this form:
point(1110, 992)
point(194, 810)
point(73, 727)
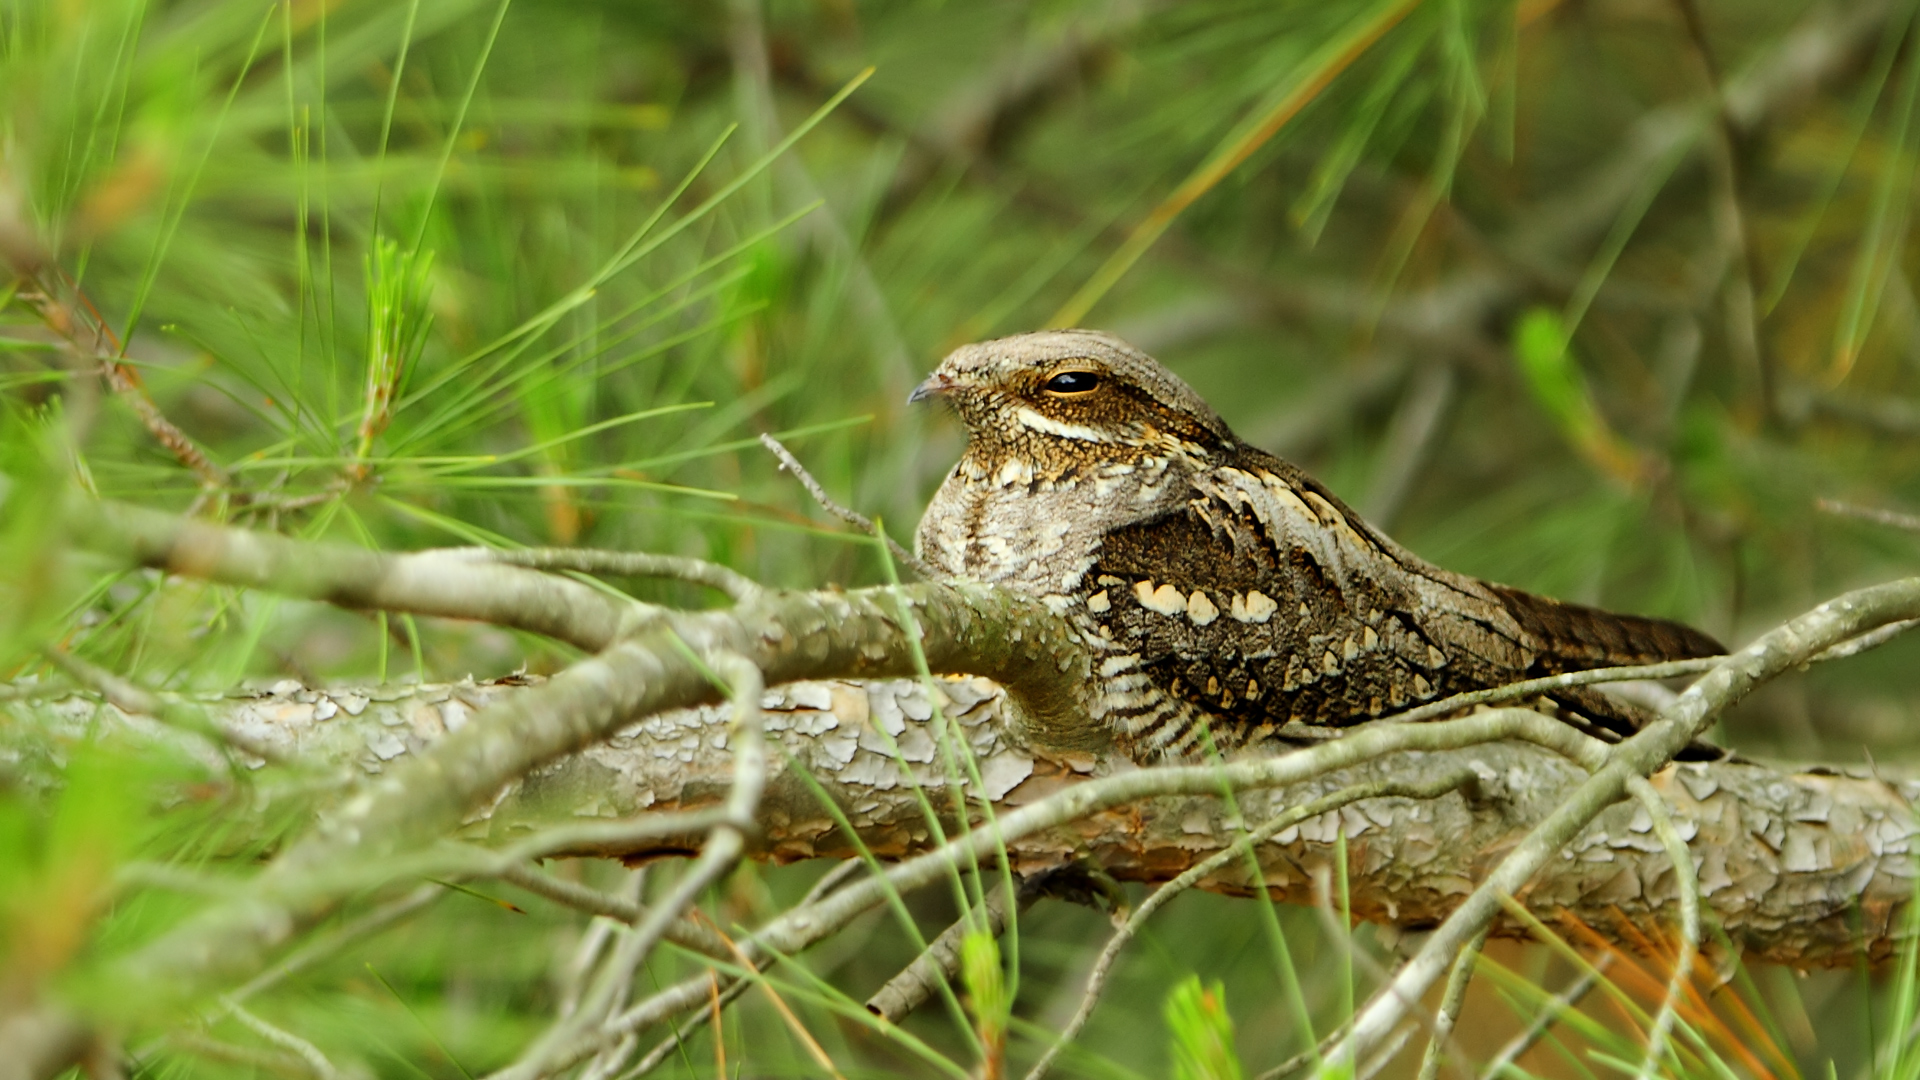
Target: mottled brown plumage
point(1228, 593)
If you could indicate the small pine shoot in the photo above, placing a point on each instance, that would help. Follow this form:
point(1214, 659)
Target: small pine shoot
point(1202, 1032)
point(986, 986)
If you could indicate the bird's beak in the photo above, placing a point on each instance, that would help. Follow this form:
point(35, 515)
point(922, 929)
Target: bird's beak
point(935, 385)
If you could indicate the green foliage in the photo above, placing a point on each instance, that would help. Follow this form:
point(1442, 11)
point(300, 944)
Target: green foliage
point(449, 272)
point(1202, 1032)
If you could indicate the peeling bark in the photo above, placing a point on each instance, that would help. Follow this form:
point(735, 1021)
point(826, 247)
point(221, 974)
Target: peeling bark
point(1784, 859)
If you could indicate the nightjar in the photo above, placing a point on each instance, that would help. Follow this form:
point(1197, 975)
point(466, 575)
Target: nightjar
point(1226, 593)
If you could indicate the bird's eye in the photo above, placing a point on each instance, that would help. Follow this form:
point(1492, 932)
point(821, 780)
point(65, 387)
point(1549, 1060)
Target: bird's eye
point(1072, 382)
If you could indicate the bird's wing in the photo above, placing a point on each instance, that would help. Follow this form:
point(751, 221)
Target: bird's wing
point(1265, 600)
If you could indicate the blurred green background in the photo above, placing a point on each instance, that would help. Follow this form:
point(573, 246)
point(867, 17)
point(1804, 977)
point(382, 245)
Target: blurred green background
point(1599, 299)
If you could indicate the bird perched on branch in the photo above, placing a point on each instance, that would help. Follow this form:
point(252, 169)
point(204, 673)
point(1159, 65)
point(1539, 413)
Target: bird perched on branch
point(1227, 593)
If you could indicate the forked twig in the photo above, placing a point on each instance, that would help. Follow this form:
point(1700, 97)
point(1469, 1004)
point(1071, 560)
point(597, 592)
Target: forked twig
point(725, 843)
point(852, 517)
point(940, 961)
point(1103, 966)
point(623, 564)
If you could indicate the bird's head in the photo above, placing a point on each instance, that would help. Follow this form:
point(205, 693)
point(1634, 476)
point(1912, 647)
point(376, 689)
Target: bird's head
point(1053, 389)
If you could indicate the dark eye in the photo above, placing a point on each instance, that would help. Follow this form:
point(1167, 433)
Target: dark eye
point(1073, 382)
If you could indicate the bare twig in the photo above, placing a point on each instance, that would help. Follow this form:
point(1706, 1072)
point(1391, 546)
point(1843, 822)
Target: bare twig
point(832, 880)
point(1891, 518)
point(424, 584)
point(1872, 639)
point(1531, 688)
point(1786, 647)
point(329, 945)
point(593, 944)
point(622, 564)
point(285, 1040)
point(1566, 999)
point(939, 962)
point(1451, 1000)
point(852, 517)
point(1103, 966)
point(726, 842)
point(1688, 886)
point(678, 1038)
point(682, 932)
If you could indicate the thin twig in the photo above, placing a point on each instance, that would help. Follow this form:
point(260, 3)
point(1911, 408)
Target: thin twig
point(939, 962)
point(678, 1038)
point(593, 943)
point(850, 516)
point(203, 1045)
point(1873, 639)
point(1566, 999)
point(1342, 935)
point(1537, 687)
point(1103, 966)
point(93, 342)
point(1450, 1002)
point(682, 932)
point(285, 1040)
point(1378, 1063)
point(832, 880)
point(622, 564)
point(1593, 676)
point(1781, 649)
point(1689, 888)
point(609, 837)
point(1890, 518)
point(726, 842)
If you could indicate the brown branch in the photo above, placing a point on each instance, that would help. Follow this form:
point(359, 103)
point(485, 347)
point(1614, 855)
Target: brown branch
point(1794, 852)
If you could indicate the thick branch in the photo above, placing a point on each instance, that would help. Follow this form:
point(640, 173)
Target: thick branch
point(1781, 856)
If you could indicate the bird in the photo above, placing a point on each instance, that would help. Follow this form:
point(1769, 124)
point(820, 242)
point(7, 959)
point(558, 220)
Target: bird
point(1230, 600)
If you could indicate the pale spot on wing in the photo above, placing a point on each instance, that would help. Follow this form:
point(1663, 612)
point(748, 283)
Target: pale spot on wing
point(1255, 607)
point(1098, 602)
point(1015, 471)
point(1200, 609)
point(1166, 599)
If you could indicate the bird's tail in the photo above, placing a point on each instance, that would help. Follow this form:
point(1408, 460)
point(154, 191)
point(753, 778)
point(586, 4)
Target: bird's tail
point(1575, 638)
